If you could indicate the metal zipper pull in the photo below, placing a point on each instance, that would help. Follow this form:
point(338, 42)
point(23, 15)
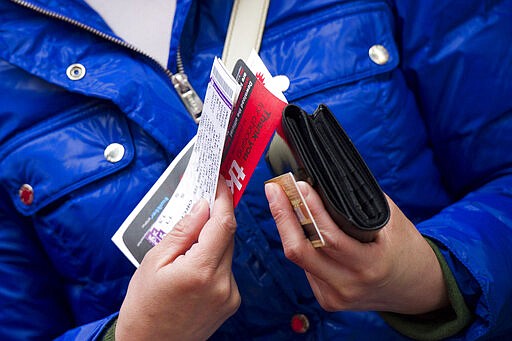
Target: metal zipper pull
point(188, 95)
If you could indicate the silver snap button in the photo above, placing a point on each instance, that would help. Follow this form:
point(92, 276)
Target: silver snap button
point(75, 71)
point(114, 152)
point(26, 194)
point(281, 82)
point(378, 54)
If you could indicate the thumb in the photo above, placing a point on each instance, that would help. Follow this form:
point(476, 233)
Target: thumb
point(183, 235)
point(290, 230)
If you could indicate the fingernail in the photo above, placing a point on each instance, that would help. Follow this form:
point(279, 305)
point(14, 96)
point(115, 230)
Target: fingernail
point(270, 192)
point(197, 206)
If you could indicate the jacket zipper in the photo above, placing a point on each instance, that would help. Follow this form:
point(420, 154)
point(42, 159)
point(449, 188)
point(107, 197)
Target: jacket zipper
point(188, 95)
point(179, 80)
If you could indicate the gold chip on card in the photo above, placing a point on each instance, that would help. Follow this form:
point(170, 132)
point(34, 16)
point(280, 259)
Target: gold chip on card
point(301, 209)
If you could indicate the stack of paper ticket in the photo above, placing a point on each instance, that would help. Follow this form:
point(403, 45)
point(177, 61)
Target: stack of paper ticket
point(240, 114)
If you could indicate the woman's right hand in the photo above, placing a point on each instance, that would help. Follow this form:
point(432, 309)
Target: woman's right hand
point(391, 273)
point(184, 288)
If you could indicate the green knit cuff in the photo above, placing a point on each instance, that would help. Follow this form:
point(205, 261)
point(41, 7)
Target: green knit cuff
point(439, 324)
point(109, 334)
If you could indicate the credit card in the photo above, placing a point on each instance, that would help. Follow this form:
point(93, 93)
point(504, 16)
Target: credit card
point(300, 208)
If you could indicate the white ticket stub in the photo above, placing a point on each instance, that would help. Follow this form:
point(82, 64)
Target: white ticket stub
point(201, 175)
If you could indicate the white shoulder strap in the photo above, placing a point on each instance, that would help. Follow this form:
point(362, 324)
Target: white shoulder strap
point(245, 30)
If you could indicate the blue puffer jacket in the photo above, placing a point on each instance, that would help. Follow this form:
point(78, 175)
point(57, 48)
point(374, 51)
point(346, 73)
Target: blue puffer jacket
point(433, 122)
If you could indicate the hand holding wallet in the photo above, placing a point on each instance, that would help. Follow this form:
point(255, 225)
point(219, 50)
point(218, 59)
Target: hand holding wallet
point(326, 158)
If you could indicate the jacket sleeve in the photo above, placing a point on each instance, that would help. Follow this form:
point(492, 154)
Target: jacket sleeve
point(33, 303)
point(103, 329)
point(457, 62)
point(475, 237)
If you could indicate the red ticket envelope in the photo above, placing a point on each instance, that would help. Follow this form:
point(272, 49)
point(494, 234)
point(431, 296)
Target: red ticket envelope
point(255, 117)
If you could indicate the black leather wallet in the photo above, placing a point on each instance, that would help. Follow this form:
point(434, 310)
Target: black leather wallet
point(326, 158)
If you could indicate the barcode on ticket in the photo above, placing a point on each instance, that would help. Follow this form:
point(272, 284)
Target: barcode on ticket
point(223, 85)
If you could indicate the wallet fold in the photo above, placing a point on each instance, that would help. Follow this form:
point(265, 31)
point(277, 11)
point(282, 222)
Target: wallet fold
point(329, 161)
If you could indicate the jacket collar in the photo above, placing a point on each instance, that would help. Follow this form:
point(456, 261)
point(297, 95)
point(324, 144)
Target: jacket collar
point(69, 10)
point(80, 13)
